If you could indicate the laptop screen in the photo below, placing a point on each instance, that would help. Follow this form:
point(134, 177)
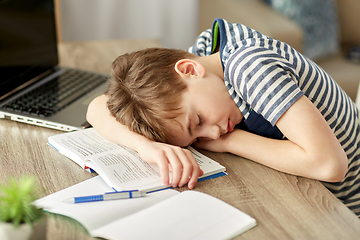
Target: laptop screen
point(28, 45)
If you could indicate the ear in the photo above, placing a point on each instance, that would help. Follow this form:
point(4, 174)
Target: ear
point(189, 67)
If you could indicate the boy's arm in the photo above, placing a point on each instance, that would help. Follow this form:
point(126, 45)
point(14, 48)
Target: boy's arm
point(311, 149)
point(178, 160)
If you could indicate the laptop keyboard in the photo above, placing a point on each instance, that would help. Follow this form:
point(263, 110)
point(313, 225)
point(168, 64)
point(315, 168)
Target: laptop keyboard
point(57, 93)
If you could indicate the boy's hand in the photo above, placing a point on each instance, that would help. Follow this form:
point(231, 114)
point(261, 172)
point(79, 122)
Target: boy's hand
point(217, 145)
point(178, 160)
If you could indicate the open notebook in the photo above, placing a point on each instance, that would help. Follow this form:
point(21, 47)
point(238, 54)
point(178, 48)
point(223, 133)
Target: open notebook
point(165, 214)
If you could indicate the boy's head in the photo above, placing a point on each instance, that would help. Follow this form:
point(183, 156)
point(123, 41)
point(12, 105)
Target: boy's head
point(172, 96)
point(145, 91)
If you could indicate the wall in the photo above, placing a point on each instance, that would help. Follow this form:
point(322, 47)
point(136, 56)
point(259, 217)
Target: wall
point(173, 22)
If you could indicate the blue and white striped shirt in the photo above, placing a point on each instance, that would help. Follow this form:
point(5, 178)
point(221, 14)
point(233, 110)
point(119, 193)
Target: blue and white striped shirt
point(267, 76)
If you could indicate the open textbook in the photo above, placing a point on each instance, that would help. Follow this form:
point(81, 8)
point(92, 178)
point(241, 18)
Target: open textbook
point(120, 167)
point(161, 215)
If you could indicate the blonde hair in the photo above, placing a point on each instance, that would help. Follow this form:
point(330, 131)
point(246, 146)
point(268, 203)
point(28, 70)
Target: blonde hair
point(145, 91)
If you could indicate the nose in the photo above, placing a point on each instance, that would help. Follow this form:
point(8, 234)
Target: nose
point(211, 132)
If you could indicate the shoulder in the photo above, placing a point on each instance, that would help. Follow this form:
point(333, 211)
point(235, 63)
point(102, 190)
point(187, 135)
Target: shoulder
point(236, 37)
point(203, 44)
point(227, 36)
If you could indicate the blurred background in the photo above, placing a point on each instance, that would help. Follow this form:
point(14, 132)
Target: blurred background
point(173, 22)
point(326, 31)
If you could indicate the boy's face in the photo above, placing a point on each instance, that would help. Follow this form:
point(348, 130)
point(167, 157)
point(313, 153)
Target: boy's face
point(209, 112)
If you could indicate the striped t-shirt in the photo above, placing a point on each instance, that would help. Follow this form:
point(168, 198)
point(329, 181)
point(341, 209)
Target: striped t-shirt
point(267, 76)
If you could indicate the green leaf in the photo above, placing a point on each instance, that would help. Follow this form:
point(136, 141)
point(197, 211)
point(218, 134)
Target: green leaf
point(16, 199)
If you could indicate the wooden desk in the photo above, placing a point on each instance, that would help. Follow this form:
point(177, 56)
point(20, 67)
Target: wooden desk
point(285, 206)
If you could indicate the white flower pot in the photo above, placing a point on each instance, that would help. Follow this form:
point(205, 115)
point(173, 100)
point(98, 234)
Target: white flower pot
point(9, 232)
point(24, 231)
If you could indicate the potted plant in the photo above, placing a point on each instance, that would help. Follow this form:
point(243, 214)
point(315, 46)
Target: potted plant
point(19, 218)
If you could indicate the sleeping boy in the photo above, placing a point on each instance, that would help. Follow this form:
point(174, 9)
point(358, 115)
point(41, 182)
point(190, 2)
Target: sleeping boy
point(238, 91)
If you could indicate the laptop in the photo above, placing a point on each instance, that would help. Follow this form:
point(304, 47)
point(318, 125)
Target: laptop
point(33, 88)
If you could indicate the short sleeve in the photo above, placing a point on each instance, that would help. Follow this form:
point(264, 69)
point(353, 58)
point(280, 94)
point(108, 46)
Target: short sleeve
point(264, 79)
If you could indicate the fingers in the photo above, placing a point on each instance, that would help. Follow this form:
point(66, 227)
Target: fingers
point(175, 165)
point(179, 161)
point(184, 168)
point(186, 158)
point(164, 170)
point(196, 171)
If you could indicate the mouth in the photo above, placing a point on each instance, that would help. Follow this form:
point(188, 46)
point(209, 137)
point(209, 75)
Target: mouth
point(230, 126)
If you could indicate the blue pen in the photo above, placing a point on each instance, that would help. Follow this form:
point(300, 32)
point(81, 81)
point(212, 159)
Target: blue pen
point(107, 196)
